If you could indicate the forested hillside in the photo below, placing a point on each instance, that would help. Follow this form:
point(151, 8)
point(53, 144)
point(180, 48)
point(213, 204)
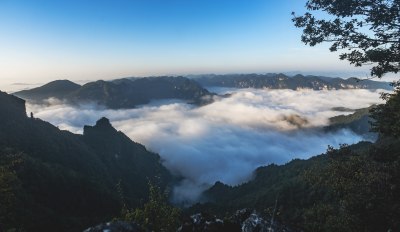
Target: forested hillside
point(55, 179)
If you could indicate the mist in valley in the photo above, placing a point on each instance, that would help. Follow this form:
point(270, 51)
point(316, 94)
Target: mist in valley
point(227, 139)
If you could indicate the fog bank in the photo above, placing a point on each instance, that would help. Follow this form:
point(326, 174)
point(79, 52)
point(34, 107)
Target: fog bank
point(226, 140)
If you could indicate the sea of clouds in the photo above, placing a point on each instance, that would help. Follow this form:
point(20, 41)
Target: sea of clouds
point(228, 139)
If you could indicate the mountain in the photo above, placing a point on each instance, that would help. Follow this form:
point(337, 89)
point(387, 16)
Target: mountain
point(272, 182)
point(358, 121)
point(353, 188)
point(281, 81)
point(51, 178)
point(122, 93)
point(56, 89)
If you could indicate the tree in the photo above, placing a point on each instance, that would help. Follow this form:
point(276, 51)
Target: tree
point(362, 190)
point(387, 116)
point(369, 31)
point(156, 214)
point(10, 185)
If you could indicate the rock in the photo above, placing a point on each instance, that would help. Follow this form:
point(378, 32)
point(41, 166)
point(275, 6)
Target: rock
point(202, 222)
point(240, 216)
point(255, 223)
point(117, 226)
point(102, 126)
point(244, 220)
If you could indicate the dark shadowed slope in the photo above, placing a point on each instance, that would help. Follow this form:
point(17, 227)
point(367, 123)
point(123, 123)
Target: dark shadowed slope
point(55, 179)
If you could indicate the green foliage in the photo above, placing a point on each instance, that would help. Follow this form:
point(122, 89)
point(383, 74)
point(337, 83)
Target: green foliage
point(363, 190)
point(359, 122)
point(156, 214)
point(387, 116)
point(9, 188)
point(368, 30)
point(346, 119)
point(285, 183)
point(353, 188)
point(325, 217)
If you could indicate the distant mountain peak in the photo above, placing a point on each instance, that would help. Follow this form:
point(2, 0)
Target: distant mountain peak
point(298, 76)
point(62, 85)
point(58, 89)
point(64, 81)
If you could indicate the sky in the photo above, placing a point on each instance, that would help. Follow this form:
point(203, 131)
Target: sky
point(44, 40)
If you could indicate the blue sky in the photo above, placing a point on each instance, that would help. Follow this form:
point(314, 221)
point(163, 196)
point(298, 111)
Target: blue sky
point(80, 39)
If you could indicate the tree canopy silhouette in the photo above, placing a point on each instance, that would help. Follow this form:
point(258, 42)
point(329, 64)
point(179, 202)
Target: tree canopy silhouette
point(368, 31)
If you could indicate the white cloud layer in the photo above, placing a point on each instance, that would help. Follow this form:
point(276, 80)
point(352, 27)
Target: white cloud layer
point(226, 140)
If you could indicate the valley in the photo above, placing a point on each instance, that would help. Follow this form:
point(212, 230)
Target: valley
point(199, 116)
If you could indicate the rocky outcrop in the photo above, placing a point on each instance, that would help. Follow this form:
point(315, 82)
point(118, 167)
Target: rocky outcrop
point(103, 125)
point(203, 222)
point(117, 226)
point(244, 220)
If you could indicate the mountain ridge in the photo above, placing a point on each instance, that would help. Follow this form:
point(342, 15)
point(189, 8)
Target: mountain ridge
point(121, 93)
point(56, 89)
point(282, 81)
